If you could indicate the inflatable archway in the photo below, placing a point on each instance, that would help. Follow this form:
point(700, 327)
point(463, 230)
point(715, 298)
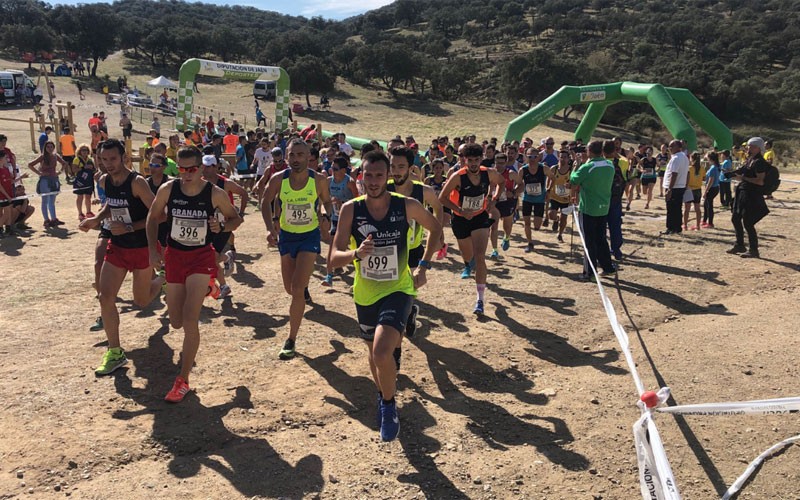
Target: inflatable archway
point(670, 104)
point(247, 72)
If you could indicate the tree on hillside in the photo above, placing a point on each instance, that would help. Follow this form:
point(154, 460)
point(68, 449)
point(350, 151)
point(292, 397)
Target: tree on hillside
point(89, 29)
point(28, 39)
point(309, 74)
point(534, 76)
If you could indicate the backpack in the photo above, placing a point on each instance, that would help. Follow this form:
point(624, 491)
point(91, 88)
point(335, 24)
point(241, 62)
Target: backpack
point(771, 180)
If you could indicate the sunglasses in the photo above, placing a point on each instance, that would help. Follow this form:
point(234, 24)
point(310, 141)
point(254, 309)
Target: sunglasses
point(189, 170)
point(533, 156)
point(156, 165)
point(549, 143)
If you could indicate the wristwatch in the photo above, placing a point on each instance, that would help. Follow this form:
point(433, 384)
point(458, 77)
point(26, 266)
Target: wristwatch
point(424, 264)
point(129, 228)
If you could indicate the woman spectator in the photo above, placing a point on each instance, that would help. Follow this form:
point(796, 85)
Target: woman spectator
point(694, 191)
point(725, 180)
point(174, 145)
point(48, 185)
point(649, 175)
point(711, 189)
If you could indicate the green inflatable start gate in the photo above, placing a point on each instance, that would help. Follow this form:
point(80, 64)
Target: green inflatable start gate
point(670, 104)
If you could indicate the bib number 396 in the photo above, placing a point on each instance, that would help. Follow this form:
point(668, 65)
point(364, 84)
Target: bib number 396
point(189, 232)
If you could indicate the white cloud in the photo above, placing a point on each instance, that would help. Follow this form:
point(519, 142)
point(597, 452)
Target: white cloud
point(339, 9)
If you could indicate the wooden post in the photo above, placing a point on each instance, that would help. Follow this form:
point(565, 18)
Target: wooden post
point(33, 136)
point(128, 153)
point(69, 117)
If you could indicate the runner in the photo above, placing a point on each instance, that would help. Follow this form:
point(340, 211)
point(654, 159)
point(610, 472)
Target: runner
point(373, 232)
point(189, 259)
point(83, 181)
point(533, 188)
point(223, 242)
point(647, 167)
point(559, 189)
point(468, 194)
point(299, 238)
point(158, 166)
point(343, 189)
point(662, 158)
point(128, 198)
point(401, 183)
point(436, 181)
point(506, 203)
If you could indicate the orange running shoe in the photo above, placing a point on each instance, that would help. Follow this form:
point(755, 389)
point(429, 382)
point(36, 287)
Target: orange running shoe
point(179, 389)
point(213, 289)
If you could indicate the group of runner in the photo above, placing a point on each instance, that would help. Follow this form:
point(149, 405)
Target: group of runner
point(171, 233)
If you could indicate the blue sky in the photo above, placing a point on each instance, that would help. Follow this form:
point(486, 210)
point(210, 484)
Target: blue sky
point(338, 9)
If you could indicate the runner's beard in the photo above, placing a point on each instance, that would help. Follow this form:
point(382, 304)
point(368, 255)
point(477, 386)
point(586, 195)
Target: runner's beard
point(400, 182)
point(298, 168)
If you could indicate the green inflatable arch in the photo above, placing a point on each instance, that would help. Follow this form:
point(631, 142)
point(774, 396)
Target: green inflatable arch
point(247, 72)
point(670, 104)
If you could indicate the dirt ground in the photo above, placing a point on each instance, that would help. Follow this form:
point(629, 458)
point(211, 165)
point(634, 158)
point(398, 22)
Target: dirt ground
point(533, 402)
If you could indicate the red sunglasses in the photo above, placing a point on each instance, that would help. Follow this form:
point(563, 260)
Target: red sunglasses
point(190, 170)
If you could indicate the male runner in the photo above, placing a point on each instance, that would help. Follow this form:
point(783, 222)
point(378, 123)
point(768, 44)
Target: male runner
point(343, 189)
point(191, 203)
point(506, 203)
point(533, 188)
point(559, 190)
point(298, 242)
point(374, 231)
point(128, 198)
point(467, 194)
point(401, 160)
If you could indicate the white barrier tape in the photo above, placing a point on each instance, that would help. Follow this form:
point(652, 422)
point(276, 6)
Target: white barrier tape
point(755, 464)
point(611, 313)
point(244, 176)
point(779, 406)
point(37, 195)
point(656, 479)
point(790, 180)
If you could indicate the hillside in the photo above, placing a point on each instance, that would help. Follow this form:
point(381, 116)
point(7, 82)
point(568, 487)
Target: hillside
point(738, 56)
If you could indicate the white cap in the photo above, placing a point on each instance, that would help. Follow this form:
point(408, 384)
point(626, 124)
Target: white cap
point(758, 142)
point(277, 150)
point(209, 160)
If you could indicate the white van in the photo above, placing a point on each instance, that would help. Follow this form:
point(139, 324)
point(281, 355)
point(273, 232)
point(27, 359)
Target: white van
point(265, 89)
point(10, 78)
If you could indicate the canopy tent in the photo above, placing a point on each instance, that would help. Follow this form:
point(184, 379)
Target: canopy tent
point(162, 81)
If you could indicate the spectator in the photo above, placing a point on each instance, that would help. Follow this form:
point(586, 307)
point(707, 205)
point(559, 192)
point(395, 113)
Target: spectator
point(48, 185)
point(67, 149)
point(44, 137)
point(725, 180)
point(344, 147)
point(711, 189)
point(749, 206)
point(231, 142)
point(611, 150)
point(591, 182)
point(675, 186)
point(156, 125)
point(694, 191)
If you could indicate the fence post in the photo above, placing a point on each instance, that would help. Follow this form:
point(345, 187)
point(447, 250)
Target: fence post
point(33, 136)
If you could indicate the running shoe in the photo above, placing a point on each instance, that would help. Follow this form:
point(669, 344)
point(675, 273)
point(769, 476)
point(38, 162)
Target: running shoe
point(466, 272)
point(97, 326)
point(288, 350)
point(555, 226)
point(81, 217)
point(112, 359)
point(442, 252)
point(529, 248)
point(328, 281)
point(307, 296)
point(411, 325)
point(560, 239)
point(390, 424)
point(57, 222)
point(89, 214)
point(494, 254)
point(478, 311)
point(179, 389)
point(750, 254)
point(505, 245)
point(22, 226)
point(213, 289)
point(224, 291)
point(47, 224)
point(546, 222)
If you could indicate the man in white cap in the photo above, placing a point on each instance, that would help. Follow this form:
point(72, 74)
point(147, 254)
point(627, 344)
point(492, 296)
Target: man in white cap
point(749, 206)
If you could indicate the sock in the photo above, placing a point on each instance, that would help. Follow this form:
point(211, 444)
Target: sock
point(387, 401)
point(481, 289)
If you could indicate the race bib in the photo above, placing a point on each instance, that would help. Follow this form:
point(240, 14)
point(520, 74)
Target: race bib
point(472, 203)
point(189, 232)
point(121, 215)
point(298, 215)
point(381, 265)
point(561, 190)
point(534, 189)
